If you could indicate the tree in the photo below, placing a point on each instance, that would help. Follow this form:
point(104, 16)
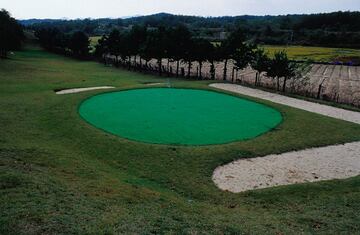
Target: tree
point(214, 55)
point(202, 52)
point(53, 39)
point(137, 37)
point(260, 62)
point(155, 46)
point(282, 67)
point(114, 45)
point(102, 48)
point(189, 55)
point(79, 44)
point(11, 32)
point(179, 38)
point(229, 46)
point(243, 56)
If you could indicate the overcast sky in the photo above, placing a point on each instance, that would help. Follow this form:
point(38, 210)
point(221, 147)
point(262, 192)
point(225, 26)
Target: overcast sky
point(25, 9)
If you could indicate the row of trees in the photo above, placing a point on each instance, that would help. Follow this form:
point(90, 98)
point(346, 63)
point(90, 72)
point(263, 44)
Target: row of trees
point(11, 32)
point(178, 45)
point(76, 44)
point(172, 44)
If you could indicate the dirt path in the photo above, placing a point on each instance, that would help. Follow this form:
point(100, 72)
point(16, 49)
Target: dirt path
point(310, 165)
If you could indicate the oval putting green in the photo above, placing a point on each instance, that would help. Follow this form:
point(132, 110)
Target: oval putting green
point(178, 116)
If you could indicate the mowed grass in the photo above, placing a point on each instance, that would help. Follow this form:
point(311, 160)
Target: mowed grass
point(318, 54)
point(59, 175)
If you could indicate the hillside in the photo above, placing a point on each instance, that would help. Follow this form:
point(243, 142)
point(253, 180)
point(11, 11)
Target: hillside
point(337, 29)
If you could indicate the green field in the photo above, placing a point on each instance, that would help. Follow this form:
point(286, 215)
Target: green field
point(60, 175)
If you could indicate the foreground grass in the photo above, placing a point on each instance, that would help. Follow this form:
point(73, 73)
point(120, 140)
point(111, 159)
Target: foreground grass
point(59, 175)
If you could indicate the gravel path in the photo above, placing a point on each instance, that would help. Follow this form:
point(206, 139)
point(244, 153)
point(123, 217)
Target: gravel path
point(78, 90)
point(296, 103)
point(310, 165)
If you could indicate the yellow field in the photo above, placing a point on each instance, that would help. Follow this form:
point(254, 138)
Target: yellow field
point(319, 54)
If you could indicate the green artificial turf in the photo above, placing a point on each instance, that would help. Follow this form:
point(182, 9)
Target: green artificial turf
point(179, 116)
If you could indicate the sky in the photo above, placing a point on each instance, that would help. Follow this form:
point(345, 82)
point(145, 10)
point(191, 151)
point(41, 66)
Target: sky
point(71, 9)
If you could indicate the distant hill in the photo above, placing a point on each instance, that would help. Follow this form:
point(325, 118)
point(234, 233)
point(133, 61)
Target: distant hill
point(340, 29)
point(336, 21)
point(30, 22)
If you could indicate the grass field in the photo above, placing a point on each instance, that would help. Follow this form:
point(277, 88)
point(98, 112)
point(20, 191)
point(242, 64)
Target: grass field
point(59, 175)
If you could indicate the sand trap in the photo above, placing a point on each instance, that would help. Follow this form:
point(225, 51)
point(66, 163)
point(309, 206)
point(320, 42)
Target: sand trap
point(155, 84)
point(78, 90)
point(310, 165)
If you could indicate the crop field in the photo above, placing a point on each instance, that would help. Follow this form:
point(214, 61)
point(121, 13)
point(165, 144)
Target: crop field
point(318, 54)
point(61, 175)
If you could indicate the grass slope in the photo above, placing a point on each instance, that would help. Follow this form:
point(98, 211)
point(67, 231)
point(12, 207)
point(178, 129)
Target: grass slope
point(59, 175)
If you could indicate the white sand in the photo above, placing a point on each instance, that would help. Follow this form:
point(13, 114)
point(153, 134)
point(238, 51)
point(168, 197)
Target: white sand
point(333, 162)
point(78, 90)
point(155, 84)
point(310, 165)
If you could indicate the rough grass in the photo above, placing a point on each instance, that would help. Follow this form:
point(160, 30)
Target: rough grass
point(60, 175)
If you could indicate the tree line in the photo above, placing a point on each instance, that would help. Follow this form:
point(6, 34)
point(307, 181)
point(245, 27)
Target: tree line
point(76, 44)
point(11, 34)
point(135, 48)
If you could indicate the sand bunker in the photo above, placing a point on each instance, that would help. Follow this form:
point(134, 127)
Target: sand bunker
point(310, 165)
point(155, 84)
point(78, 90)
point(333, 162)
